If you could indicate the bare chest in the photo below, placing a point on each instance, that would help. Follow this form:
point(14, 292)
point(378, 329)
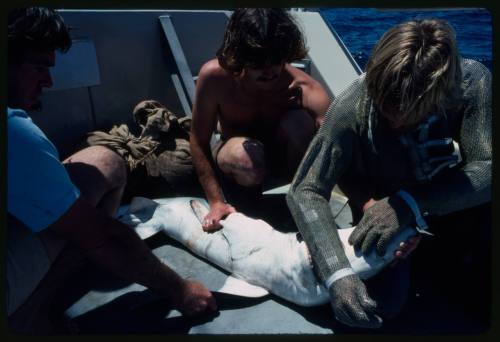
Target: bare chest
point(241, 112)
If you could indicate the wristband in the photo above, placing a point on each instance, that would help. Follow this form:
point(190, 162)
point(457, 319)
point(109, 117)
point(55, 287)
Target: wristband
point(343, 272)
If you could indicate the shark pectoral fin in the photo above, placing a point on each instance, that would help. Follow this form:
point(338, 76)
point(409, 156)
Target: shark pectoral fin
point(279, 190)
point(199, 210)
point(145, 231)
point(140, 203)
point(241, 288)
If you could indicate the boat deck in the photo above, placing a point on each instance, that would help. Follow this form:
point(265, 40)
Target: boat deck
point(126, 56)
point(100, 303)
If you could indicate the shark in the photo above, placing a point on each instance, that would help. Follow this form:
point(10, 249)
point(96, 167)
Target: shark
point(259, 258)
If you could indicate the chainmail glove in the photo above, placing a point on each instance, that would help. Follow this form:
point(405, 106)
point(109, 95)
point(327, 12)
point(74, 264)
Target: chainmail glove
point(351, 303)
point(380, 223)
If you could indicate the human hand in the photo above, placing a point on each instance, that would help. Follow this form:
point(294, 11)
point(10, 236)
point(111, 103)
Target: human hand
point(196, 299)
point(381, 221)
point(217, 212)
point(406, 247)
point(369, 204)
point(352, 305)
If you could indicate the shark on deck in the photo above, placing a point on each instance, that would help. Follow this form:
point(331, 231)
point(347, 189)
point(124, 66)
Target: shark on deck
point(259, 258)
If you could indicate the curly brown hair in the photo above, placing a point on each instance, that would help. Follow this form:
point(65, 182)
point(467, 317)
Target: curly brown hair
point(256, 37)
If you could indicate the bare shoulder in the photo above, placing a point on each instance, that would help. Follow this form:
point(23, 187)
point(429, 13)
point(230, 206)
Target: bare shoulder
point(211, 71)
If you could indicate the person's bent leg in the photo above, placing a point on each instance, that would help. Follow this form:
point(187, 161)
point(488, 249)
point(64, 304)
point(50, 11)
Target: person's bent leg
point(294, 133)
point(100, 174)
point(242, 160)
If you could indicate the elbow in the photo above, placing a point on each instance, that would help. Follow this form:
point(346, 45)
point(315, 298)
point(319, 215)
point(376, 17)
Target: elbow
point(479, 173)
point(193, 140)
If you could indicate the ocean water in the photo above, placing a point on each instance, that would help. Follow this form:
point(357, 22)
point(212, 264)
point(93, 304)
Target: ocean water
point(361, 28)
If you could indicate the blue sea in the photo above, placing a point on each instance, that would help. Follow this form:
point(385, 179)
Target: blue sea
point(360, 28)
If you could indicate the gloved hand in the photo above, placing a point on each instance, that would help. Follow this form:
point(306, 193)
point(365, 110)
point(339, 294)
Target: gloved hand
point(380, 223)
point(351, 303)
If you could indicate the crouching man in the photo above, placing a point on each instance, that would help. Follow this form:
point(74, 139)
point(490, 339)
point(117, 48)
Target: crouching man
point(267, 110)
point(58, 212)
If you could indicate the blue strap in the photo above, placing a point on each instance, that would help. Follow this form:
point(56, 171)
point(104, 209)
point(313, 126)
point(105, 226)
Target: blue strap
point(421, 224)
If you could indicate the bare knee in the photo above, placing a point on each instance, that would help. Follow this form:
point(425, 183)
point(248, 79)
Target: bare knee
point(113, 167)
point(243, 160)
point(96, 171)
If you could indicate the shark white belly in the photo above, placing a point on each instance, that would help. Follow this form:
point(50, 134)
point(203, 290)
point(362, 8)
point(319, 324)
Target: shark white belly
point(250, 249)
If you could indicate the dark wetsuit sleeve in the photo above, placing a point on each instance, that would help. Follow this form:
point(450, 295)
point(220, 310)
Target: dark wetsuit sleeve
point(327, 157)
point(469, 185)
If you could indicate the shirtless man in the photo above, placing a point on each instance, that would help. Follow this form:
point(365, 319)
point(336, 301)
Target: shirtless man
point(267, 110)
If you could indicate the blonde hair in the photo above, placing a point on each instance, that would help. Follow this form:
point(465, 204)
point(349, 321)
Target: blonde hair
point(414, 69)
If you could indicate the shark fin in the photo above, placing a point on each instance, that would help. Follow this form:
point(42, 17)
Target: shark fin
point(139, 203)
point(199, 210)
point(277, 191)
point(241, 288)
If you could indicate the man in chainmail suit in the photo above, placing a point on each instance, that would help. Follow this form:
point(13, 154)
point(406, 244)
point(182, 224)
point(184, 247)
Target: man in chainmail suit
point(407, 141)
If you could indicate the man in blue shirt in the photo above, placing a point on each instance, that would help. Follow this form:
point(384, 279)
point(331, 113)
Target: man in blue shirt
point(54, 208)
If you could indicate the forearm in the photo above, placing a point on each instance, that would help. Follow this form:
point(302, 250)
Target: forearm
point(308, 200)
point(463, 188)
point(124, 254)
point(326, 160)
point(315, 221)
point(116, 248)
point(204, 166)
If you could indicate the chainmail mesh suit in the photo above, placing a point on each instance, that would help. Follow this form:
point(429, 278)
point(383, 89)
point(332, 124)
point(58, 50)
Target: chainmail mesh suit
point(356, 149)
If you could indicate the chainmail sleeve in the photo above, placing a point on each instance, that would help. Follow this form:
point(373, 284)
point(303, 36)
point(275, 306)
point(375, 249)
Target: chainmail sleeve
point(470, 184)
point(326, 159)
